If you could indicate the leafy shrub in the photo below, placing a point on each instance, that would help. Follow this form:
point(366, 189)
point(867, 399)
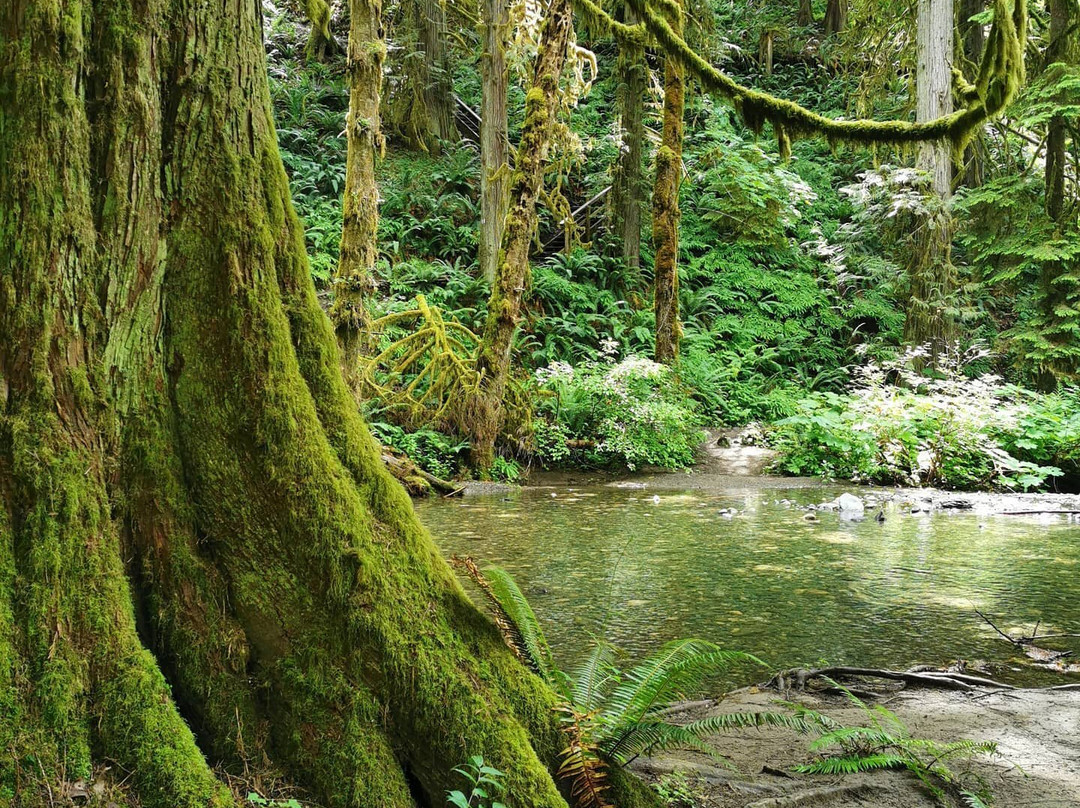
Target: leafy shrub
point(435, 452)
point(948, 430)
point(631, 412)
point(484, 784)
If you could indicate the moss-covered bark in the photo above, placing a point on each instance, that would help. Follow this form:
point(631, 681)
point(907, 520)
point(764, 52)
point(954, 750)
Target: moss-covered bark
point(202, 560)
point(665, 208)
point(486, 411)
point(627, 187)
point(494, 143)
point(354, 280)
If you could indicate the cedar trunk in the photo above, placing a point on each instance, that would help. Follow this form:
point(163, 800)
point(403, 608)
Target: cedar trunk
point(665, 212)
point(202, 560)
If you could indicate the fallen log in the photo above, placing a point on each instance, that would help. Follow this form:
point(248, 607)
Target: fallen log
point(416, 481)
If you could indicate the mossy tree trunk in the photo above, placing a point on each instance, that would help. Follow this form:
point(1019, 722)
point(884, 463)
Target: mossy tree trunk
point(806, 13)
point(665, 211)
point(202, 560)
point(931, 278)
point(1059, 289)
point(627, 187)
point(836, 14)
point(494, 138)
point(486, 411)
point(354, 280)
point(973, 42)
point(1064, 48)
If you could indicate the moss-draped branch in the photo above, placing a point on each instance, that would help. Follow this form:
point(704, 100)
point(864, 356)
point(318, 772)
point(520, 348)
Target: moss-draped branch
point(1001, 73)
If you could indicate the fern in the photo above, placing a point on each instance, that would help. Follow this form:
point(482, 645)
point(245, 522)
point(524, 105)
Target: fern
point(885, 742)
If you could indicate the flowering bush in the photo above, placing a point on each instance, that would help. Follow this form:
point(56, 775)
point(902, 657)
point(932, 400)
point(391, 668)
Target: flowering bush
point(631, 413)
point(899, 426)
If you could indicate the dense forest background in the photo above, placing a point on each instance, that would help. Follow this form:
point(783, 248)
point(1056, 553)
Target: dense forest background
point(799, 279)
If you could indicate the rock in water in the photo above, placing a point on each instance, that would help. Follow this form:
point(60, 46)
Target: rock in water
point(850, 506)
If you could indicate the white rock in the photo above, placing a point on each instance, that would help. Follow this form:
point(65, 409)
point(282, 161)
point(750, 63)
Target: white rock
point(849, 503)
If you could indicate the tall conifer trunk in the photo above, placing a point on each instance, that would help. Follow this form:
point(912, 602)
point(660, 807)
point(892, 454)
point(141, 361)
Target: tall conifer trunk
point(202, 560)
point(665, 212)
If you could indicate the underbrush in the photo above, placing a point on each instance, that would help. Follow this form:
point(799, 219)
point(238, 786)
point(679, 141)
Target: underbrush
point(630, 413)
point(946, 429)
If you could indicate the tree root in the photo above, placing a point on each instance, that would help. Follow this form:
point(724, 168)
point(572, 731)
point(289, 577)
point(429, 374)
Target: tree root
point(819, 796)
point(796, 678)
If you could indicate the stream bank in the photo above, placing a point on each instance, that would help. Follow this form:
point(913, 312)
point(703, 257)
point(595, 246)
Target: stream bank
point(1037, 731)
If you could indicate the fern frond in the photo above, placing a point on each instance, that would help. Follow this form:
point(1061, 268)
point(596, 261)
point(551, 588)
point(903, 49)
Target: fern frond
point(592, 677)
point(581, 763)
point(666, 676)
point(728, 721)
point(851, 764)
point(514, 617)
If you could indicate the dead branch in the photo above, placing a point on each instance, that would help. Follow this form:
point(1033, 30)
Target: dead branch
point(949, 681)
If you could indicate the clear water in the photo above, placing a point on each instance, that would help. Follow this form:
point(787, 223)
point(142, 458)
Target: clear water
point(602, 560)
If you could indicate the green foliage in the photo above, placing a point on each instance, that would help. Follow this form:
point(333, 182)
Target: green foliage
point(946, 430)
point(632, 412)
point(885, 742)
point(677, 791)
point(435, 452)
point(254, 798)
point(484, 784)
point(614, 716)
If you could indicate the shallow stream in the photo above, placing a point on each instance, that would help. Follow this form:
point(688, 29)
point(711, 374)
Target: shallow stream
point(642, 566)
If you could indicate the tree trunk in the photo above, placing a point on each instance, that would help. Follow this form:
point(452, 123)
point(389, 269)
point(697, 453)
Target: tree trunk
point(973, 40)
point(195, 525)
point(665, 212)
point(494, 140)
point(437, 73)
point(931, 277)
point(836, 14)
point(354, 280)
point(1064, 47)
point(486, 413)
point(627, 188)
point(1056, 289)
point(806, 13)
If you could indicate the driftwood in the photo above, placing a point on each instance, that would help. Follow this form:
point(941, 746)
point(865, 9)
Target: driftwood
point(1036, 653)
point(796, 678)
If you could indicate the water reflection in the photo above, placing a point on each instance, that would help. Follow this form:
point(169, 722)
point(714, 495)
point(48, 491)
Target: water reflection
point(642, 570)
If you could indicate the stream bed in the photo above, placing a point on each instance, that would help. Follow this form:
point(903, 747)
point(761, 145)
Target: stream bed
point(641, 564)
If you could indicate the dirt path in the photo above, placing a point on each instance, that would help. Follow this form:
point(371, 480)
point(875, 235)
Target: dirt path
point(1038, 732)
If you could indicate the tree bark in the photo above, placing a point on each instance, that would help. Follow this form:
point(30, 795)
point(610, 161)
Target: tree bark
point(486, 412)
point(665, 212)
point(437, 72)
point(354, 280)
point(627, 188)
point(1064, 47)
point(494, 138)
point(973, 41)
point(836, 14)
point(195, 526)
point(930, 275)
point(806, 13)
point(1055, 290)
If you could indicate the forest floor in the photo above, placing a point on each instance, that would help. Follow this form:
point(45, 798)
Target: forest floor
point(1037, 731)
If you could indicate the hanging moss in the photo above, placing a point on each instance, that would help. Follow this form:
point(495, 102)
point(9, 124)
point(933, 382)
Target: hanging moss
point(1001, 74)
